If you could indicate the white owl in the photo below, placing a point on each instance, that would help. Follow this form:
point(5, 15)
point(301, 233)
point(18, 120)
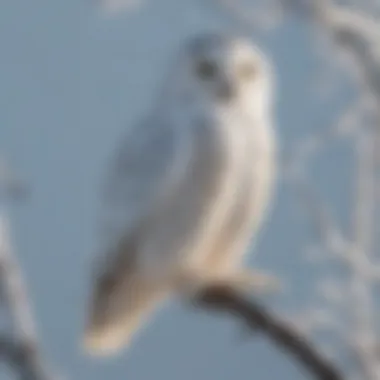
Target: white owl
point(187, 189)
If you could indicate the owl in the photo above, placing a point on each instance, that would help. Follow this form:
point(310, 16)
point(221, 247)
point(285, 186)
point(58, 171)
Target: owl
point(187, 189)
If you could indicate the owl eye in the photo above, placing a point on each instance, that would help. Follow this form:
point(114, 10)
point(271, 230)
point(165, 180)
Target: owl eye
point(206, 70)
point(247, 71)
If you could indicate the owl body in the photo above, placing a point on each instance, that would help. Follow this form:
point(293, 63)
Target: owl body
point(186, 191)
point(215, 196)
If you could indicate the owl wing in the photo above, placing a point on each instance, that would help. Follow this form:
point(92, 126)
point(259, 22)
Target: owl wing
point(146, 166)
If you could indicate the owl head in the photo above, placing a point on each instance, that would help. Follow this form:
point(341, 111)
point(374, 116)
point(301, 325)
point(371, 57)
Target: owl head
point(222, 71)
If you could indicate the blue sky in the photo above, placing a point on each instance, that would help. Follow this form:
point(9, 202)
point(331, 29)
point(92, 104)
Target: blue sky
point(72, 80)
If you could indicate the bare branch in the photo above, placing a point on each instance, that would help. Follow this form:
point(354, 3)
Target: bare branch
point(21, 359)
point(21, 350)
point(15, 301)
point(223, 298)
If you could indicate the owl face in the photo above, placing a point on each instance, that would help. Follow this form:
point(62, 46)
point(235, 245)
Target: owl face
point(224, 71)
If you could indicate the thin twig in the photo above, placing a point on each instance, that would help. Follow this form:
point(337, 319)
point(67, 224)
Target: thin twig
point(21, 349)
point(18, 357)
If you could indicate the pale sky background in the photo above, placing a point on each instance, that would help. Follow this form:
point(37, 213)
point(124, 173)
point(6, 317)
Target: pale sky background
point(71, 81)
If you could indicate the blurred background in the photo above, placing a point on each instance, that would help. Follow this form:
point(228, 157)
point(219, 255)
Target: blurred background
point(75, 75)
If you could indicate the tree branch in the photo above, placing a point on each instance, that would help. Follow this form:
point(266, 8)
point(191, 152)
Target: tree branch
point(21, 358)
point(223, 298)
point(20, 350)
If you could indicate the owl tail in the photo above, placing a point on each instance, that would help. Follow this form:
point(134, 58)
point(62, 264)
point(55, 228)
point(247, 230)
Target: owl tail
point(118, 311)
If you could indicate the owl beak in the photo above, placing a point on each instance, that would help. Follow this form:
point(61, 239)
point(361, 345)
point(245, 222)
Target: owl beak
point(226, 91)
